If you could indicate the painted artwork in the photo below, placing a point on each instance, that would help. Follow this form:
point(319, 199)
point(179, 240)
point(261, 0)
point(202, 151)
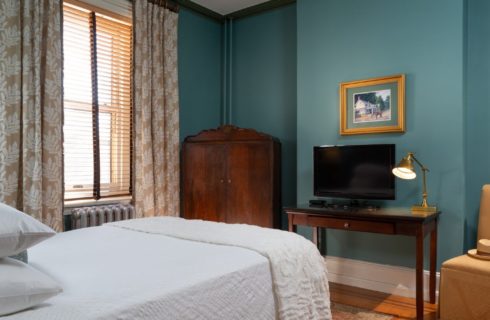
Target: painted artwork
point(372, 106)
point(375, 105)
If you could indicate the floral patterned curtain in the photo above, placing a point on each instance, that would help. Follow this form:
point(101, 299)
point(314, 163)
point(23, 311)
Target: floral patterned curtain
point(31, 161)
point(156, 111)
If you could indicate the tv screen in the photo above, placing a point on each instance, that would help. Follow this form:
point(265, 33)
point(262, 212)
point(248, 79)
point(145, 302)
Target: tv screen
point(354, 172)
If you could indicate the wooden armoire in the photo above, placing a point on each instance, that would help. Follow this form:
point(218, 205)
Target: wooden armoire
point(232, 175)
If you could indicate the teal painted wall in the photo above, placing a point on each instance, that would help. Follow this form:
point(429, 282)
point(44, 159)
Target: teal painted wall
point(302, 52)
point(263, 83)
point(350, 39)
point(477, 112)
point(199, 54)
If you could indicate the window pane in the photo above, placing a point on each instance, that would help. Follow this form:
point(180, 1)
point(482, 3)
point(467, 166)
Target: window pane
point(79, 167)
point(114, 95)
point(77, 90)
point(113, 67)
point(77, 79)
point(105, 147)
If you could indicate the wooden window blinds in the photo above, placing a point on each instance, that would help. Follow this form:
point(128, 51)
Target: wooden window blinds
point(97, 50)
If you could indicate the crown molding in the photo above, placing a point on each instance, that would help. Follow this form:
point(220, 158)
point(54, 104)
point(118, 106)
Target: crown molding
point(200, 9)
point(261, 7)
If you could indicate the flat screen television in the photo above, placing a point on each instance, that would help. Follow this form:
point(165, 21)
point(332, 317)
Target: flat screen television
point(354, 172)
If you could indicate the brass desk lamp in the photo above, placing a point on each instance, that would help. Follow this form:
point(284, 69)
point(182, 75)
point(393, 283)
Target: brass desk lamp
point(405, 170)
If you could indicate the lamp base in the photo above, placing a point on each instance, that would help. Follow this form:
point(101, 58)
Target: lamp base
point(419, 208)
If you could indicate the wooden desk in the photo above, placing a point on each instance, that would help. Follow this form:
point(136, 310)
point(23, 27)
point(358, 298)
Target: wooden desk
point(385, 221)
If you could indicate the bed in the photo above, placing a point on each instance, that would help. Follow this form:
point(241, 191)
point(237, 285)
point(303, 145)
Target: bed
point(147, 269)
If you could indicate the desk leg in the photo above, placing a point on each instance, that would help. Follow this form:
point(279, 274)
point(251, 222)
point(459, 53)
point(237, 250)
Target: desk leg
point(322, 234)
point(291, 226)
point(314, 236)
point(419, 273)
point(433, 261)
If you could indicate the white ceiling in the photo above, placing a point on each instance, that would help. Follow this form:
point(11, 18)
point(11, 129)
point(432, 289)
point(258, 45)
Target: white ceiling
point(227, 6)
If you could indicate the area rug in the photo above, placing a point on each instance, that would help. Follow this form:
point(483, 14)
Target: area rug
point(345, 312)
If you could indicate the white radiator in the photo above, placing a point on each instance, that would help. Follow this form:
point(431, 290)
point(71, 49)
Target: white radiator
point(84, 217)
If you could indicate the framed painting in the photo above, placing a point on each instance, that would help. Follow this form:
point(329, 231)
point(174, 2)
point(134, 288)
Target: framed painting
point(374, 105)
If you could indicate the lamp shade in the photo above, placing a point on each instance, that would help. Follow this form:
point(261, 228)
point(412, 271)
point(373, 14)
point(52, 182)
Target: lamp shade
point(405, 170)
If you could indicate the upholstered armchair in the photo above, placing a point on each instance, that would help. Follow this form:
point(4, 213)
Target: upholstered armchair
point(465, 280)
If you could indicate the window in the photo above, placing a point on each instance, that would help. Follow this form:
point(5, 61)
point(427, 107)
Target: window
point(97, 102)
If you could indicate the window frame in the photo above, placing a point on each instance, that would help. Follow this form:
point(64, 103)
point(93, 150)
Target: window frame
point(95, 108)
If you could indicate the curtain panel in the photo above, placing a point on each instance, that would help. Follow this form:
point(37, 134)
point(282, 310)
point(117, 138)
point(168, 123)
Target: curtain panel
point(156, 111)
point(31, 161)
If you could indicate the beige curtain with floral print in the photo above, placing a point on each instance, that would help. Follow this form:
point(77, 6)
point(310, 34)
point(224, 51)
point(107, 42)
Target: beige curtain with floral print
point(31, 163)
point(156, 111)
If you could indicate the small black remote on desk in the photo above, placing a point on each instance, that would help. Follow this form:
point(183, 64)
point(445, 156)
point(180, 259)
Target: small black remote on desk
point(317, 203)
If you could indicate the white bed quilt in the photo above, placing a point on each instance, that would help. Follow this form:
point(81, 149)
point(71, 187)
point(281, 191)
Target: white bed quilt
point(112, 273)
point(298, 270)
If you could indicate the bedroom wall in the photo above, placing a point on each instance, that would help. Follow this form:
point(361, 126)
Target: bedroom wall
point(441, 46)
point(199, 51)
point(477, 112)
point(348, 40)
point(263, 83)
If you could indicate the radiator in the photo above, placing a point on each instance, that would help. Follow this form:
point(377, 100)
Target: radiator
point(84, 217)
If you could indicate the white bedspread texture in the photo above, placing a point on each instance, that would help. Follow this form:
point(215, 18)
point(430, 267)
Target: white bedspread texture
point(112, 273)
point(298, 270)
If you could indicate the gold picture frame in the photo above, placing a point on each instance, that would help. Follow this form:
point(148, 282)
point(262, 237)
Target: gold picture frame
point(375, 105)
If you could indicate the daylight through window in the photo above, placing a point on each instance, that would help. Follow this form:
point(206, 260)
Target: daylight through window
point(97, 103)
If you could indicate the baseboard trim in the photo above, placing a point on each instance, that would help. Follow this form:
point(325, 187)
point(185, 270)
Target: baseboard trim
point(395, 280)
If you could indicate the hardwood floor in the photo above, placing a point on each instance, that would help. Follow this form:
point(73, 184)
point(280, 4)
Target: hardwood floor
point(400, 307)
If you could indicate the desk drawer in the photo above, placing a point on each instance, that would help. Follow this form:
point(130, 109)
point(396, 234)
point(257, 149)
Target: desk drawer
point(350, 225)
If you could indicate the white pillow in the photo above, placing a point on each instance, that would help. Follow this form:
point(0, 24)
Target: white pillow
point(22, 286)
point(18, 231)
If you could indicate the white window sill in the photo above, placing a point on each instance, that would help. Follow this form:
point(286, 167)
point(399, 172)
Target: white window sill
point(92, 202)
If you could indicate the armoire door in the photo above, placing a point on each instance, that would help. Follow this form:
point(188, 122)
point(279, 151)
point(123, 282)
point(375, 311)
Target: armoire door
point(204, 181)
point(250, 183)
